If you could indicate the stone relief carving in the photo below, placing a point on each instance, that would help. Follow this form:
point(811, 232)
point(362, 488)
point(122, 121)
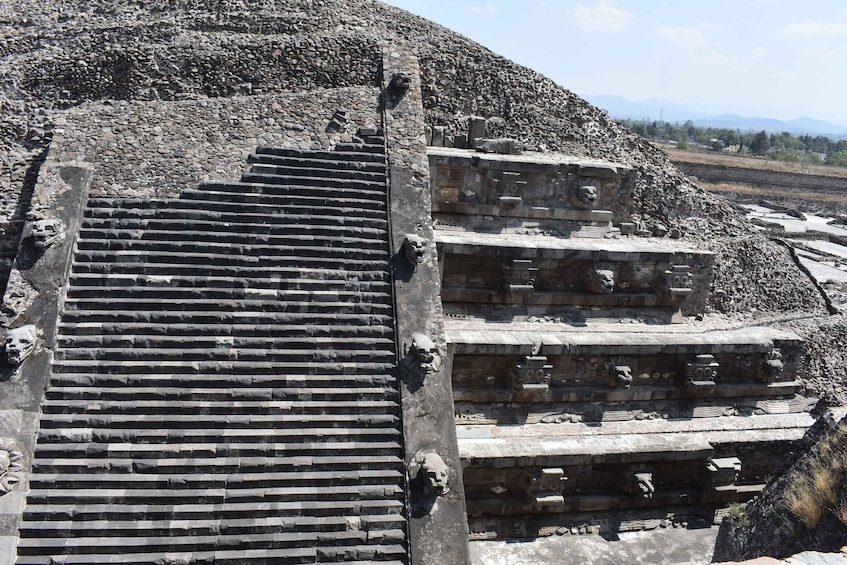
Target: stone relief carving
point(599, 280)
point(702, 372)
point(678, 280)
point(469, 413)
point(46, 232)
point(510, 187)
point(414, 249)
point(544, 486)
point(19, 296)
point(425, 353)
point(772, 366)
point(532, 373)
point(430, 473)
point(20, 343)
point(504, 146)
point(520, 275)
point(584, 197)
point(560, 418)
point(11, 464)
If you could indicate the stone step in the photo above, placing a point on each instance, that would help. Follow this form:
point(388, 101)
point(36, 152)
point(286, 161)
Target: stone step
point(199, 450)
point(314, 354)
point(223, 480)
point(217, 421)
point(327, 330)
point(167, 465)
point(207, 293)
point(218, 317)
point(180, 220)
point(81, 546)
point(203, 526)
point(213, 341)
point(238, 211)
point(222, 305)
point(332, 164)
point(224, 380)
point(99, 281)
point(315, 203)
point(349, 555)
point(249, 252)
point(294, 170)
point(183, 233)
point(247, 392)
point(211, 495)
point(203, 435)
point(326, 156)
point(356, 147)
point(293, 183)
point(255, 407)
point(210, 367)
point(337, 272)
point(291, 259)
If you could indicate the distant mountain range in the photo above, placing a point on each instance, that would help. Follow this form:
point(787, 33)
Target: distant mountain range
point(652, 109)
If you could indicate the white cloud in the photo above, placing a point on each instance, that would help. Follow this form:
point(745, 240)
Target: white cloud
point(600, 17)
point(685, 37)
point(482, 9)
point(731, 61)
point(811, 28)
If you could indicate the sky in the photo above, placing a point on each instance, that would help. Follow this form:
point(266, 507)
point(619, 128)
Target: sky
point(779, 59)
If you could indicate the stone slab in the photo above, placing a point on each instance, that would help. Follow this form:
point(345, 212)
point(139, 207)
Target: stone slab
point(490, 339)
point(474, 243)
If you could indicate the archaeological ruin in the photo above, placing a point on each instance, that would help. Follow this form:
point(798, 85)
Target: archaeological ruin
point(320, 281)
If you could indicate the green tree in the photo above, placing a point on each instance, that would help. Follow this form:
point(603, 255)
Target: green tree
point(839, 159)
point(760, 143)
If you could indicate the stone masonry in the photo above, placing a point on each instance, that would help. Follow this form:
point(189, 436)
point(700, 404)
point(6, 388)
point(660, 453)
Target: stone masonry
point(299, 282)
point(587, 398)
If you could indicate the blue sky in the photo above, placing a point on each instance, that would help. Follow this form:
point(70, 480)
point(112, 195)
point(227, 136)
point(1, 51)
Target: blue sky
point(773, 58)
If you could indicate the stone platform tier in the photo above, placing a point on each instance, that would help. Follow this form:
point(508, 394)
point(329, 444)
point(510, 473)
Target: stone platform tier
point(543, 376)
point(570, 279)
point(536, 480)
point(529, 193)
point(224, 386)
point(555, 424)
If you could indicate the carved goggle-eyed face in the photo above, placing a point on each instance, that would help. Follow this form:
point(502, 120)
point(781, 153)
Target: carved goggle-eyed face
point(19, 342)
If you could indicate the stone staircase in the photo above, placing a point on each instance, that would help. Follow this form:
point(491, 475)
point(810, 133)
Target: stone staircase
point(223, 389)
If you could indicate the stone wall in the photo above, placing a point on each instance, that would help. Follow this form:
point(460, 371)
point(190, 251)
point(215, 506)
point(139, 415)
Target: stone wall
point(158, 149)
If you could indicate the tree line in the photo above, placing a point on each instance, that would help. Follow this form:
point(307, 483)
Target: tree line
point(817, 149)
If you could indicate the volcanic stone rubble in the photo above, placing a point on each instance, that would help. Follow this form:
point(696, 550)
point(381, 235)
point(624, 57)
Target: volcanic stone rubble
point(222, 387)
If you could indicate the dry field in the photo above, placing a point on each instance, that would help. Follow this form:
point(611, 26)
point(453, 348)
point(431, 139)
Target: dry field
point(750, 162)
point(771, 191)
